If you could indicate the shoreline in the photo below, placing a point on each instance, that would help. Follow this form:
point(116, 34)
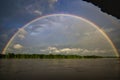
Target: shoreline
point(50, 56)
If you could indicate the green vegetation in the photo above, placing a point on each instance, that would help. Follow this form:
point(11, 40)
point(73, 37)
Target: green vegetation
point(49, 56)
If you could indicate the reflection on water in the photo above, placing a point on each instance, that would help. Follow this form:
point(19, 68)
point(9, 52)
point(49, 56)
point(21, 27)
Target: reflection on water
point(59, 69)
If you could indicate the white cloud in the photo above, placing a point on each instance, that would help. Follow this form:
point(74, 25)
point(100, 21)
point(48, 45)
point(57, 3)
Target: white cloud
point(52, 2)
point(22, 33)
point(38, 12)
point(91, 33)
point(21, 36)
point(109, 29)
point(17, 46)
point(34, 9)
point(77, 51)
point(34, 33)
point(64, 50)
point(68, 50)
point(86, 51)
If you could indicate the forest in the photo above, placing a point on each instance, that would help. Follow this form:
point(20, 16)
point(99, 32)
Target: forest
point(49, 56)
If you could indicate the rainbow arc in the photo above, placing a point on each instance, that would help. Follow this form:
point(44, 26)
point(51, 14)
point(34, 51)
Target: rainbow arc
point(78, 17)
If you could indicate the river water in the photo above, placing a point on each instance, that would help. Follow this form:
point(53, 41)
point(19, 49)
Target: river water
point(60, 69)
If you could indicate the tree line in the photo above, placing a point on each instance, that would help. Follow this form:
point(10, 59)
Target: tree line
point(48, 56)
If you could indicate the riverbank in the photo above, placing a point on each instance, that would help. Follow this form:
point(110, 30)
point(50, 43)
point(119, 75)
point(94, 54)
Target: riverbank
point(50, 56)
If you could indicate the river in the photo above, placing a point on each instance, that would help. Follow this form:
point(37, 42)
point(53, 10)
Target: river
point(60, 69)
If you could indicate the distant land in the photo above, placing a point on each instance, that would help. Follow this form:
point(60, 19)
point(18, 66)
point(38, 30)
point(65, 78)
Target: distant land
point(49, 56)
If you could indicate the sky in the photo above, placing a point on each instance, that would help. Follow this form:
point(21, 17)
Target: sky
point(14, 14)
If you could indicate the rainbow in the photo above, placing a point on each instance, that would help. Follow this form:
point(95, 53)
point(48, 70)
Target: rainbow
point(78, 17)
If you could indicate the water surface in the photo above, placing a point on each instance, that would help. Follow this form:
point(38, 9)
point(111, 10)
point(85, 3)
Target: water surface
point(59, 69)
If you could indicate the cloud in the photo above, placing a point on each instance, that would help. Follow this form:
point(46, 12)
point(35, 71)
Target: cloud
point(109, 30)
point(90, 33)
point(22, 33)
point(64, 50)
point(68, 50)
point(95, 51)
point(21, 36)
point(52, 2)
point(77, 51)
point(34, 9)
point(34, 33)
point(17, 46)
point(38, 12)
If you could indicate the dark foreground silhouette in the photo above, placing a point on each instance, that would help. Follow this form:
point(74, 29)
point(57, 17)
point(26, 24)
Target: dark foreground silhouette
point(50, 56)
point(108, 6)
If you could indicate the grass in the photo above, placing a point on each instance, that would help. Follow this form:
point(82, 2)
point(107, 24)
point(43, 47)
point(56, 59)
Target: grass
point(49, 56)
